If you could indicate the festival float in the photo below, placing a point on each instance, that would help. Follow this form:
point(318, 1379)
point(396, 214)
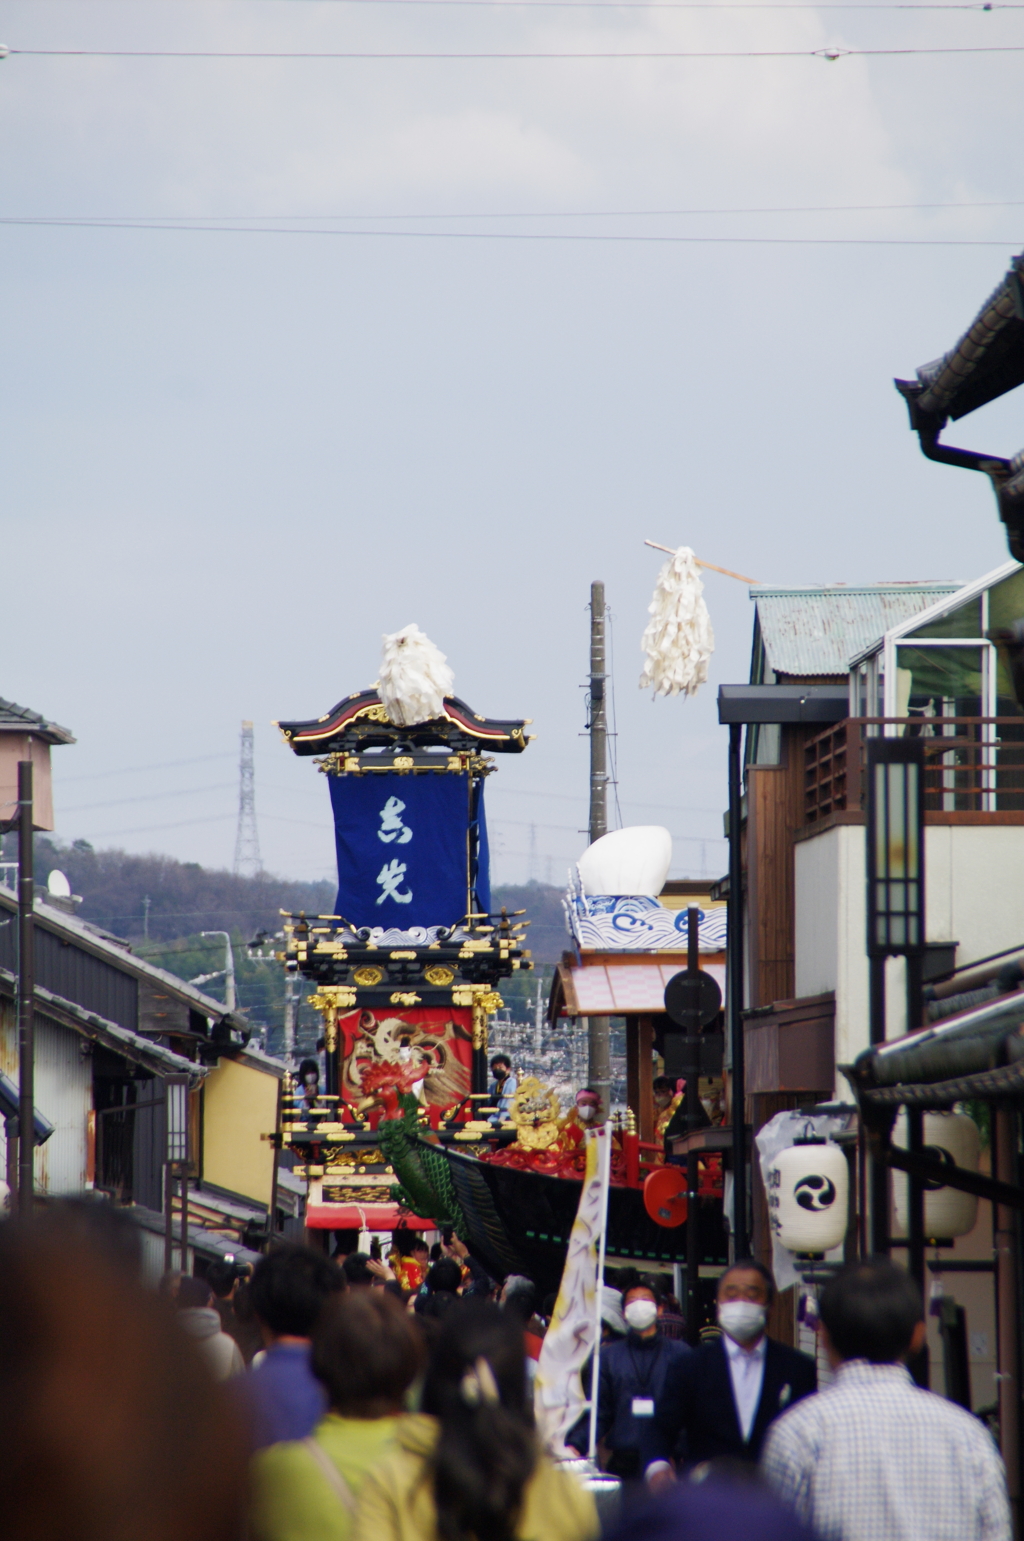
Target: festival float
point(407, 975)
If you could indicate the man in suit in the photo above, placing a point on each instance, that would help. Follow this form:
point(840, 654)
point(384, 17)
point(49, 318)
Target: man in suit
point(729, 1391)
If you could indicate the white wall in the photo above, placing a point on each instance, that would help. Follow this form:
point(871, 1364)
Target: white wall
point(829, 894)
point(973, 885)
point(63, 1094)
point(973, 896)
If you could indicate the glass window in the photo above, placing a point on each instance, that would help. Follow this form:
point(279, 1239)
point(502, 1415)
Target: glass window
point(965, 622)
point(1006, 602)
point(940, 681)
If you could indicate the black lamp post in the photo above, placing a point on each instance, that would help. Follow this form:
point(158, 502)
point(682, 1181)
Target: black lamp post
point(739, 706)
point(896, 928)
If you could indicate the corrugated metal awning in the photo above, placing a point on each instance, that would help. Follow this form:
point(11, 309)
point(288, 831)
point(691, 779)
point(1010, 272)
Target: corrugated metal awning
point(810, 632)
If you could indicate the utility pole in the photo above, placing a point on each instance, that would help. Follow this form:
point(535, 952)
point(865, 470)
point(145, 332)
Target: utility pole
point(248, 862)
point(147, 901)
point(229, 968)
point(290, 997)
point(599, 1069)
point(26, 994)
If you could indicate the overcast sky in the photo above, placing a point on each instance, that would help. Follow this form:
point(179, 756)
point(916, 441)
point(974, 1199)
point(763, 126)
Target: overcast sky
point(232, 460)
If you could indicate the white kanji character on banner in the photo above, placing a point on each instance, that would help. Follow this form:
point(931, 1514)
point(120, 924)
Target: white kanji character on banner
point(390, 878)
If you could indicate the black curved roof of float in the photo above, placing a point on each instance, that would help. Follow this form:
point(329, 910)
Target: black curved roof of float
point(360, 722)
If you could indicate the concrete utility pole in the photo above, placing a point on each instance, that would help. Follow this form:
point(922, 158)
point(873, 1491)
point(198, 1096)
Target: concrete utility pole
point(229, 968)
point(291, 996)
point(599, 1070)
point(248, 862)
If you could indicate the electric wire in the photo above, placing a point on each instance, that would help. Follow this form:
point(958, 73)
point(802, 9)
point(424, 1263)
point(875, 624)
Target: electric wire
point(521, 236)
point(831, 54)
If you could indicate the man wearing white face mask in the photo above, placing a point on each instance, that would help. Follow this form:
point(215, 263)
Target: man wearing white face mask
point(734, 1387)
point(637, 1382)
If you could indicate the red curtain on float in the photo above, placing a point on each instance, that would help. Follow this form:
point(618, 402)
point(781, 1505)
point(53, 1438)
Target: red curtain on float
point(440, 1038)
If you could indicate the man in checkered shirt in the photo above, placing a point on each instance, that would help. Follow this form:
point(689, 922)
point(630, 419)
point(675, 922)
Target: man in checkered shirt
point(874, 1457)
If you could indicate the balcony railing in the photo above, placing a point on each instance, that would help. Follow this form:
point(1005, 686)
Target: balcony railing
point(972, 764)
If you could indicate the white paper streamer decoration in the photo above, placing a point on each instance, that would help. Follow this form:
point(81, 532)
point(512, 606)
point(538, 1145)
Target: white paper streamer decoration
point(414, 678)
point(808, 1191)
point(948, 1213)
point(678, 640)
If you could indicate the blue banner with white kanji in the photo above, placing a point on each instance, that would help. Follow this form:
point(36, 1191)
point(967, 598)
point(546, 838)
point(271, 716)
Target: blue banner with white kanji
point(410, 849)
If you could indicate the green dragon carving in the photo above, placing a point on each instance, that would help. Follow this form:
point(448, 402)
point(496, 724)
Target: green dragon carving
point(424, 1180)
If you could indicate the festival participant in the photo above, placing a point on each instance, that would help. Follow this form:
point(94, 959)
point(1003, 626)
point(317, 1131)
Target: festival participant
point(309, 1082)
point(503, 1087)
point(470, 1465)
point(367, 1353)
point(873, 1455)
point(201, 1321)
point(667, 1099)
point(586, 1113)
point(637, 1389)
point(409, 1260)
point(732, 1388)
point(289, 1289)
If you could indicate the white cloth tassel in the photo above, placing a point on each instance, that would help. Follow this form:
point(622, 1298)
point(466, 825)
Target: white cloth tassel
point(678, 640)
point(414, 678)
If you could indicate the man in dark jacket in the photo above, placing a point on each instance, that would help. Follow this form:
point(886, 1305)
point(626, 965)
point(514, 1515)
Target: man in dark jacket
point(731, 1389)
point(637, 1383)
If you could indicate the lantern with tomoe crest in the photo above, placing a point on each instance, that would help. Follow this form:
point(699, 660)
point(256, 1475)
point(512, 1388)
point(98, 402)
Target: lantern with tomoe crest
point(955, 1140)
point(808, 1193)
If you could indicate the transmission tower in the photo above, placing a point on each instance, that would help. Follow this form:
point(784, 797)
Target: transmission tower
point(247, 840)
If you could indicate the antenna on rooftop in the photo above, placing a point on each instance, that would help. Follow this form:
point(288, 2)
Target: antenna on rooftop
point(247, 841)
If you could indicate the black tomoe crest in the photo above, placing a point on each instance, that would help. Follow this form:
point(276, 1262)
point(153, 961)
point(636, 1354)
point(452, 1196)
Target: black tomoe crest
point(815, 1193)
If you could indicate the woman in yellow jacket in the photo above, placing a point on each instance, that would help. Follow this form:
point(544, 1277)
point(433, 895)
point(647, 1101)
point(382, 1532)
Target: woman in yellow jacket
point(470, 1467)
point(367, 1351)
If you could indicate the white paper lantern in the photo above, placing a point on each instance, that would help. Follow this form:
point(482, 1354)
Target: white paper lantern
point(948, 1213)
point(632, 861)
point(808, 1193)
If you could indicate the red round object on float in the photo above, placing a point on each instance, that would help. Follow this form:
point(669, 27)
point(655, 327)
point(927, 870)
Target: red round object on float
point(665, 1195)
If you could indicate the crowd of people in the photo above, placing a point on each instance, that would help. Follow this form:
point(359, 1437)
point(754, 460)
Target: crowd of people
point(352, 1399)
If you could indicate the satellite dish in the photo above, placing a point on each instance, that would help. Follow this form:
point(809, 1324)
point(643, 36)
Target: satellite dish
point(665, 1196)
point(633, 861)
point(58, 886)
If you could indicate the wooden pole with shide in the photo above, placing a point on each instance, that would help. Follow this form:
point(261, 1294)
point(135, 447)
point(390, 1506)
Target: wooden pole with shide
point(599, 1063)
point(26, 992)
point(693, 1119)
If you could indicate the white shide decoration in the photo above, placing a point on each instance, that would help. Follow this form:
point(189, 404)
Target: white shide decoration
point(953, 1138)
point(414, 678)
point(678, 640)
point(627, 861)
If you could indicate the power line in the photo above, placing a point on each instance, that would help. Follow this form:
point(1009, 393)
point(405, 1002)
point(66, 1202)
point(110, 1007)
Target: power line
point(806, 208)
point(148, 797)
point(515, 235)
point(133, 770)
point(146, 829)
point(830, 54)
point(709, 5)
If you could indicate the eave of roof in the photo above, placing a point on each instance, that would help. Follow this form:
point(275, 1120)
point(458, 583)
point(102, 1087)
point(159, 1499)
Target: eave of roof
point(21, 719)
point(119, 955)
point(121, 1040)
